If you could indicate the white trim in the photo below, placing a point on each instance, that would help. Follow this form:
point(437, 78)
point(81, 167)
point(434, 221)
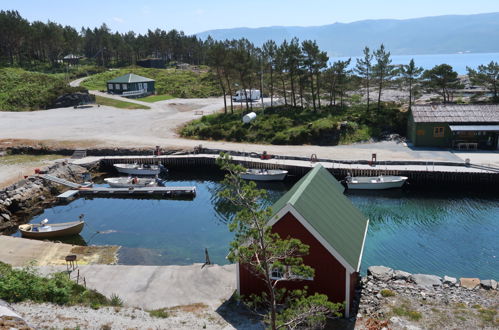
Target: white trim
point(347, 295)
point(238, 285)
point(289, 208)
point(362, 248)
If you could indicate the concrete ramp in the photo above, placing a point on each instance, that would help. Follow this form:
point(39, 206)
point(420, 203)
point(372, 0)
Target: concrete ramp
point(153, 287)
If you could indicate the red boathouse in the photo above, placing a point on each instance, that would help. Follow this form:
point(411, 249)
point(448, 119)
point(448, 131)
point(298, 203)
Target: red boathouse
point(317, 212)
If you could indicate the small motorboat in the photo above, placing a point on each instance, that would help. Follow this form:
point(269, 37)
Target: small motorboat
point(139, 169)
point(264, 175)
point(375, 182)
point(54, 230)
point(127, 182)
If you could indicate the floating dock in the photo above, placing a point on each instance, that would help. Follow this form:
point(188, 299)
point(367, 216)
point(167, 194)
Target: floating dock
point(163, 191)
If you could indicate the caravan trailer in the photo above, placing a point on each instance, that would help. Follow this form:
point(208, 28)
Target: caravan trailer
point(252, 94)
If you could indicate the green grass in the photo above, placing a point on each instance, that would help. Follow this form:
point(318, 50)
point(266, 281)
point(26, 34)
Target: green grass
point(387, 293)
point(22, 90)
point(156, 98)
point(25, 284)
point(405, 311)
point(177, 83)
point(159, 313)
point(296, 126)
point(20, 159)
point(119, 104)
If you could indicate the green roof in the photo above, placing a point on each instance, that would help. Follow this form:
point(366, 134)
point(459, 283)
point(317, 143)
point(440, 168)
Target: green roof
point(318, 197)
point(129, 78)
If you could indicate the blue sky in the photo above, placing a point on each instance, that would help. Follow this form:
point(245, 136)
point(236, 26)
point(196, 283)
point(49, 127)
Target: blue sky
point(192, 16)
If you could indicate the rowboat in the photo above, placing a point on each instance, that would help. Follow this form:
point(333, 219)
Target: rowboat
point(139, 169)
point(264, 175)
point(54, 230)
point(375, 182)
point(127, 182)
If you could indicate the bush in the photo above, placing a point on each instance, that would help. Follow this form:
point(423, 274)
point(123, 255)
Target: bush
point(24, 284)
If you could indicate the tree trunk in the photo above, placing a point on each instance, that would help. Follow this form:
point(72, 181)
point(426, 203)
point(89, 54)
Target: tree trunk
point(313, 91)
point(293, 96)
point(271, 87)
point(284, 91)
point(379, 93)
point(410, 93)
point(318, 90)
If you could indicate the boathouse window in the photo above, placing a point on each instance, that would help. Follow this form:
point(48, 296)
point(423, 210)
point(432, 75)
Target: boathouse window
point(110, 86)
point(116, 86)
point(438, 131)
point(286, 274)
point(124, 87)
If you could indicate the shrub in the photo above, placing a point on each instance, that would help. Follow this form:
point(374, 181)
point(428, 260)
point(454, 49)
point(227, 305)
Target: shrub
point(387, 293)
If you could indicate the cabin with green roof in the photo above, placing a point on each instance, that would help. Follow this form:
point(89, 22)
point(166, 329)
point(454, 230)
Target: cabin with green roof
point(131, 85)
point(317, 212)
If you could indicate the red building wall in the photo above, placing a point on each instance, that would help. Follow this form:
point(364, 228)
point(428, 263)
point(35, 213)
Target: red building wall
point(329, 276)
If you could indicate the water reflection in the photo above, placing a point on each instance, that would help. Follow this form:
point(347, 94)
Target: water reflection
point(444, 232)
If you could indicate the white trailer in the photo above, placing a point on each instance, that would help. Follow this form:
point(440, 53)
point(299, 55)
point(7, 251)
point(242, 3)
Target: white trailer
point(252, 94)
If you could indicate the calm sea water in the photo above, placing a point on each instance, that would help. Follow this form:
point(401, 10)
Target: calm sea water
point(420, 232)
point(458, 61)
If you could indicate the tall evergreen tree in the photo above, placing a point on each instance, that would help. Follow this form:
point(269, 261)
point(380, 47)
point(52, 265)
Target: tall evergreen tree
point(411, 75)
point(364, 69)
point(486, 76)
point(383, 70)
point(443, 80)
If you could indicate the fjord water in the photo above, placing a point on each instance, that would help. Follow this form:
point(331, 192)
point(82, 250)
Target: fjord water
point(459, 62)
point(442, 233)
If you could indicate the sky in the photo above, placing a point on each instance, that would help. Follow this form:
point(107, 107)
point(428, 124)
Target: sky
point(193, 16)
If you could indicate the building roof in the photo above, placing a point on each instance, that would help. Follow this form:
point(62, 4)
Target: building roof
point(318, 197)
point(474, 128)
point(130, 78)
point(454, 113)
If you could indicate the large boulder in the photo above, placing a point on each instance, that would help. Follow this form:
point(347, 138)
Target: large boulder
point(401, 275)
point(469, 283)
point(449, 280)
point(426, 281)
point(380, 272)
point(488, 284)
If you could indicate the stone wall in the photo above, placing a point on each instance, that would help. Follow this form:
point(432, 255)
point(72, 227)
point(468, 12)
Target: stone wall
point(18, 201)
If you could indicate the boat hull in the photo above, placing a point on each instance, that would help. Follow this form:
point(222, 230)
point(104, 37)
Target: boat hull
point(137, 169)
point(268, 175)
point(376, 183)
point(66, 229)
point(128, 183)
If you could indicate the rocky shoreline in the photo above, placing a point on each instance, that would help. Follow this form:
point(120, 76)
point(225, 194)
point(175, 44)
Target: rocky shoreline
point(400, 300)
point(30, 195)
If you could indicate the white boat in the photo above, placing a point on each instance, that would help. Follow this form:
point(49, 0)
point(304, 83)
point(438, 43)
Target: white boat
point(375, 182)
point(124, 182)
point(139, 169)
point(264, 175)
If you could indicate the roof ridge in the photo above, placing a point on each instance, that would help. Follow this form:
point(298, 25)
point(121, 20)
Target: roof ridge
point(305, 184)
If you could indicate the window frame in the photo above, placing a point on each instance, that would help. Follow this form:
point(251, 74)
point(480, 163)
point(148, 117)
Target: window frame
point(439, 131)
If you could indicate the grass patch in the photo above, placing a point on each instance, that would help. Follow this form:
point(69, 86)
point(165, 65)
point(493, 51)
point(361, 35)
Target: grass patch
point(387, 293)
point(22, 90)
point(406, 311)
point(24, 284)
point(156, 98)
point(119, 104)
point(177, 83)
point(159, 313)
point(488, 315)
point(21, 159)
point(296, 126)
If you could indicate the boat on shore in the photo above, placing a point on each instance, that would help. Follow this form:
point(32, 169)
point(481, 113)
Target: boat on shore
point(44, 230)
point(264, 175)
point(375, 182)
point(139, 169)
point(127, 182)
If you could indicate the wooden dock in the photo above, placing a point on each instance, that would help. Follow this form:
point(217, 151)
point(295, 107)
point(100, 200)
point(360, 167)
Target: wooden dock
point(161, 191)
point(419, 172)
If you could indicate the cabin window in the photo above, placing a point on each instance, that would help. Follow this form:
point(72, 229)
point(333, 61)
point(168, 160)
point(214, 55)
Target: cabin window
point(116, 86)
point(420, 132)
point(124, 87)
point(286, 274)
point(110, 86)
point(438, 131)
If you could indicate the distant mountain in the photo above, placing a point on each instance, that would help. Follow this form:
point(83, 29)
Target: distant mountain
point(429, 35)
